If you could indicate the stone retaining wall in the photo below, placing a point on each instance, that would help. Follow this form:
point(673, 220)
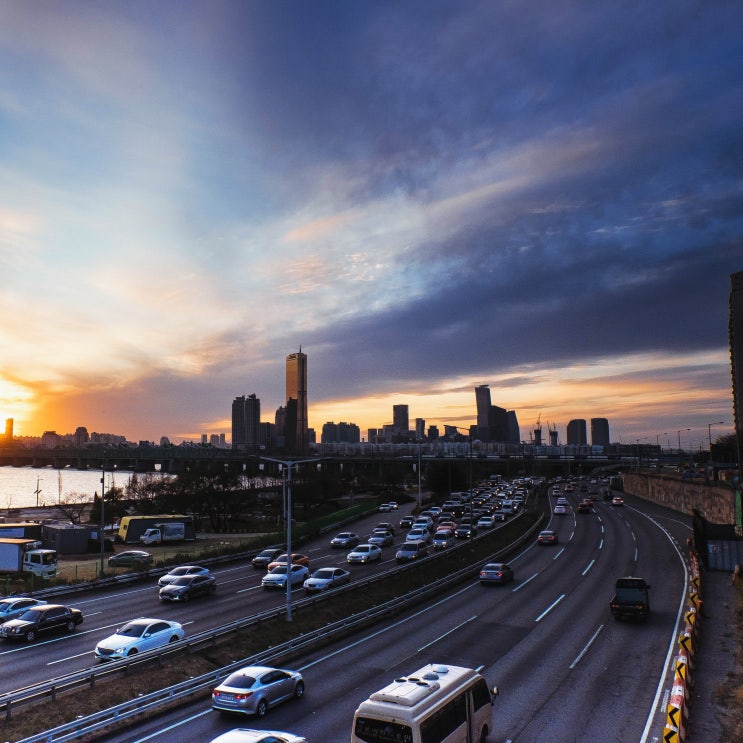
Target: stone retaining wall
point(714, 502)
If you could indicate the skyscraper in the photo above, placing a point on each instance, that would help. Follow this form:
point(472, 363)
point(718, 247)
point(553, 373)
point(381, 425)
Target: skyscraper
point(577, 432)
point(735, 335)
point(482, 401)
point(401, 420)
point(600, 432)
point(246, 418)
point(297, 437)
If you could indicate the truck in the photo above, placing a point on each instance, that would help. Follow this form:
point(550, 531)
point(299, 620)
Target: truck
point(170, 531)
point(131, 528)
point(27, 556)
point(631, 598)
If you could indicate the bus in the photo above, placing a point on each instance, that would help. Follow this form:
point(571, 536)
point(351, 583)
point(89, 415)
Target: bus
point(436, 704)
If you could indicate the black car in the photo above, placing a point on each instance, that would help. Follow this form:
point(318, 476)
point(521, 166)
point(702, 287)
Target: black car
point(262, 559)
point(465, 531)
point(187, 587)
point(41, 620)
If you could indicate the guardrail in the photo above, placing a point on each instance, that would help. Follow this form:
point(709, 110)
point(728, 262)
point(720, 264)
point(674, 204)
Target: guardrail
point(127, 710)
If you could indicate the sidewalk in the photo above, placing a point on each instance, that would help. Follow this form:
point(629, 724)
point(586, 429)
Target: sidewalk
point(719, 669)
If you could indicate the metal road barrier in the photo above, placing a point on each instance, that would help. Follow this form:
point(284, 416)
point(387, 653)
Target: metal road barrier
point(98, 721)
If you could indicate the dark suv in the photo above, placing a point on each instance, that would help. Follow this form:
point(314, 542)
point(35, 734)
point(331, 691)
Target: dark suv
point(411, 551)
point(41, 620)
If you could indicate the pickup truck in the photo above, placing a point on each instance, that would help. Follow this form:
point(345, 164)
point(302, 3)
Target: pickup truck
point(631, 598)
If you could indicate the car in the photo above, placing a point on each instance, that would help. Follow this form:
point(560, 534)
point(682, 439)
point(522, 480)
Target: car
point(244, 735)
point(585, 506)
point(562, 501)
point(499, 515)
point(485, 522)
point(263, 558)
point(187, 587)
point(181, 572)
point(411, 551)
point(297, 559)
point(393, 504)
point(442, 539)
point(385, 508)
point(41, 620)
point(418, 534)
point(381, 537)
point(448, 524)
point(547, 536)
point(345, 540)
point(131, 559)
point(406, 522)
point(323, 579)
point(13, 606)
point(253, 690)
point(425, 521)
point(386, 525)
point(276, 577)
point(364, 553)
point(559, 510)
point(617, 500)
point(465, 531)
point(138, 636)
point(495, 572)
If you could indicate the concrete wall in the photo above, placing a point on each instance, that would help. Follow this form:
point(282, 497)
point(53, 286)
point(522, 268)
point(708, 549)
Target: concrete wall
point(714, 502)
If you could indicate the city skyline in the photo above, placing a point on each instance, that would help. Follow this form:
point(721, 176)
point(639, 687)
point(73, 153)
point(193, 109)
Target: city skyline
point(424, 197)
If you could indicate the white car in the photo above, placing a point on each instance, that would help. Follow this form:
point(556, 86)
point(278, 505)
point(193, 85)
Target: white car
point(419, 534)
point(243, 735)
point(276, 578)
point(364, 553)
point(381, 537)
point(485, 522)
point(323, 579)
point(138, 636)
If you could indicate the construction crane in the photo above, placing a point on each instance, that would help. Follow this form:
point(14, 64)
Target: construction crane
point(538, 431)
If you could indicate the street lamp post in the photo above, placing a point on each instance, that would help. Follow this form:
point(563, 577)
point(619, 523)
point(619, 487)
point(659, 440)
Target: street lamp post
point(287, 478)
point(103, 518)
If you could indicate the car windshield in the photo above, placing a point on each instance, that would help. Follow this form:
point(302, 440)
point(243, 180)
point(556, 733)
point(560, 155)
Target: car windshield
point(323, 573)
point(30, 615)
point(178, 571)
point(5, 605)
point(279, 570)
point(133, 629)
point(239, 680)
point(184, 580)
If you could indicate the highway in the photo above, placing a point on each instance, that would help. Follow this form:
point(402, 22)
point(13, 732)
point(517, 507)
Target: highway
point(565, 669)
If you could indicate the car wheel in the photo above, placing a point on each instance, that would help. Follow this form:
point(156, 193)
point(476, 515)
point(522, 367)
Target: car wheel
point(71, 626)
point(484, 734)
point(30, 636)
point(299, 690)
point(261, 709)
point(133, 651)
point(174, 638)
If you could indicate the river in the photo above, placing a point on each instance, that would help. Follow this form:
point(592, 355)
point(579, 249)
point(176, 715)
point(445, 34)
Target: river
point(19, 485)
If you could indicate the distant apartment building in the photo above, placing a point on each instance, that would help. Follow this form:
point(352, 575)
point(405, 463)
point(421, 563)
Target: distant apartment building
point(735, 338)
point(600, 432)
point(420, 429)
point(50, 440)
point(345, 433)
point(577, 435)
point(246, 418)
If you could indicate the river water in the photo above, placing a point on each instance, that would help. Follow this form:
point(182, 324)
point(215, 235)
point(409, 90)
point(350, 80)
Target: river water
point(18, 485)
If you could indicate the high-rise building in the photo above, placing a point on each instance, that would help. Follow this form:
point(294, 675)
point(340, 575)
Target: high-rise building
point(600, 432)
point(577, 432)
point(9, 430)
point(735, 335)
point(401, 420)
point(420, 429)
point(296, 433)
point(482, 401)
point(246, 418)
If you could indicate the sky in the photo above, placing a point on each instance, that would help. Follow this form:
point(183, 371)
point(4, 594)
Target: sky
point(538, 195)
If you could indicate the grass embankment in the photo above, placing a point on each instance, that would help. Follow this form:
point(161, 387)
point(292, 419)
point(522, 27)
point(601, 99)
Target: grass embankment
point(36, 719)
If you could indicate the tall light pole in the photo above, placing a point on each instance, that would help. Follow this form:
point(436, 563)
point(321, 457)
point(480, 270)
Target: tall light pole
point(287, 477)
point(103, 519)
